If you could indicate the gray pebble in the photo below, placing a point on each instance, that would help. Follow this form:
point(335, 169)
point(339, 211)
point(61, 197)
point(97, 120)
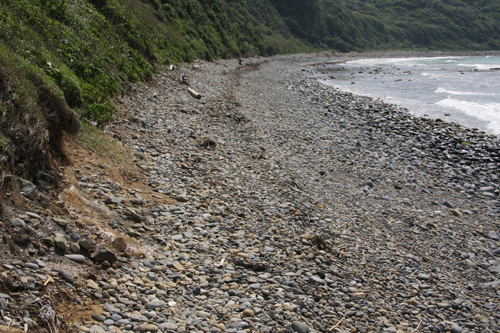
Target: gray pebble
point(300, 327)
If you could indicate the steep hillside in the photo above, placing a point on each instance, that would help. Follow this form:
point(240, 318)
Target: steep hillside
point(330, 24)
point(437, 24)
point(347, 25)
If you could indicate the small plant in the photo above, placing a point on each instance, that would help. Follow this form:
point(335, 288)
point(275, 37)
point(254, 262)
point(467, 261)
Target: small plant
point(100, 113)
point(3, 147)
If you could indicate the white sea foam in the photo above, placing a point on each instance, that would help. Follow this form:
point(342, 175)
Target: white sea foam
point(480, 66)
point(461, 93)
point(489, 112)
point(434, 76)
point(402, 61)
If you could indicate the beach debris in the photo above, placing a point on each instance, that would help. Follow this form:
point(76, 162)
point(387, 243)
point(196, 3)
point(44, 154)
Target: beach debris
point(194, 93)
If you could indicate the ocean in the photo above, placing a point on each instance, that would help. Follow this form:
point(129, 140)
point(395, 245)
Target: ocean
point(463, 90)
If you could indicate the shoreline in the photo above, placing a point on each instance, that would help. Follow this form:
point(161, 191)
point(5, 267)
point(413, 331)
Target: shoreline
point(408, 54)
point(420, 55)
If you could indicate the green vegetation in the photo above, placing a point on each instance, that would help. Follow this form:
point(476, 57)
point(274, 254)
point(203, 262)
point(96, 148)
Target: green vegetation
point(328, 24)
point(436, 24)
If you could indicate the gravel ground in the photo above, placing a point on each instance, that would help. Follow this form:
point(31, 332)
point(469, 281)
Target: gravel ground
point(298, 208)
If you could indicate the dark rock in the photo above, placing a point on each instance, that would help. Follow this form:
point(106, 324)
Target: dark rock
point(182, 198)
point(75, 236)
point(102, 253)
point(300, 327)
point(448, 204)
point(67, 276)
point(368, 183)
point(98, 317)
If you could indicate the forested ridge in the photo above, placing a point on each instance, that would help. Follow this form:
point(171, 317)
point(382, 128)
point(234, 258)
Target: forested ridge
point(78, 54)
point(437, 24)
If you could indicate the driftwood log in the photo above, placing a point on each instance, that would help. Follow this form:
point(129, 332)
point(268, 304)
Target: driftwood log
point(194, 93)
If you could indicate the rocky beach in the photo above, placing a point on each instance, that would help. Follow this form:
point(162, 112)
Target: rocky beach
point(273, 203)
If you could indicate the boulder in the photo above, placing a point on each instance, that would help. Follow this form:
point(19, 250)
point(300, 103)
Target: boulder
point(61, 243)
point(86, 243)
point(120, 244)
point(102, 253)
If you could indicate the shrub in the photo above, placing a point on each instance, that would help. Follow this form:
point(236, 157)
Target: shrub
point(100, 113)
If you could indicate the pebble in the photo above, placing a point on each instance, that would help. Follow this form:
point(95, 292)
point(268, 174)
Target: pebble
point(248, 313)
point(75, 248)
point(98, 317)
point(493, 235)
point(26, 187)
point(448, 204)
point(92, 284)
point(75, 257)
point(85, 243)
point(32, 266)
point(67, 275)
point(300, 327)
point(3, 303)
point(120, 244)
point(17, 222)
point(150, 328)
point(155, 304)
point(61, 243)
